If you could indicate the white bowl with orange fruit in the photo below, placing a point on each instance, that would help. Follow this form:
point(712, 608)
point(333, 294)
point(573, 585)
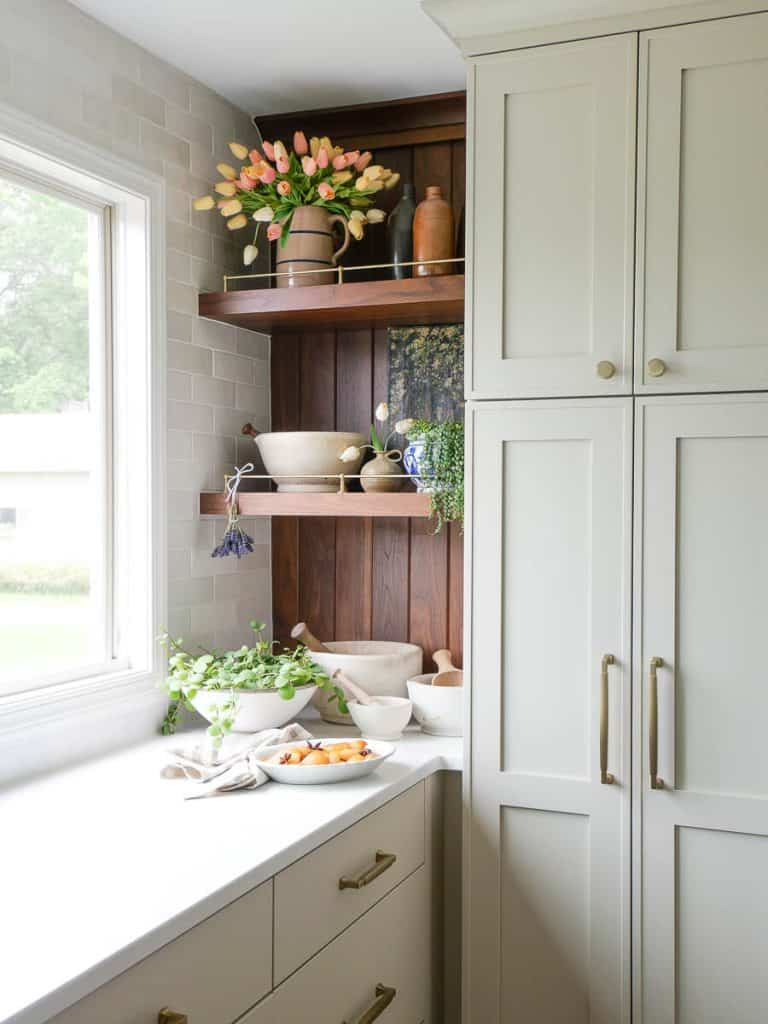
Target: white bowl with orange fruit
point(317, 761)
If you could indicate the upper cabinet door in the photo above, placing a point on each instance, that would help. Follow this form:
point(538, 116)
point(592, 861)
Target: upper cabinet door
point(552, 171)
point(702, 266)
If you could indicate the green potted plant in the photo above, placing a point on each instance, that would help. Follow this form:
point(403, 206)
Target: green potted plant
point(246, 690)
point(435, 458)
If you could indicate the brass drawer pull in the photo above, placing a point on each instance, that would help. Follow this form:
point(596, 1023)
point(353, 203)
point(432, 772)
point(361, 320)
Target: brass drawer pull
point(167, 1016)
point(384, 862)
point(606, 779)
point(653, 725)
point(384, 996)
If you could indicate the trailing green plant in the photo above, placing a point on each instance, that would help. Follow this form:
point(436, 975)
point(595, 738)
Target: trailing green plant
point(443, 466)
point(246, 669)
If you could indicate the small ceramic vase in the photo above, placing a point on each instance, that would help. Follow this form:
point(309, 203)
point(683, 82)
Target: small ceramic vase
point(383, 473)
point(413, 460)
point(433, 235)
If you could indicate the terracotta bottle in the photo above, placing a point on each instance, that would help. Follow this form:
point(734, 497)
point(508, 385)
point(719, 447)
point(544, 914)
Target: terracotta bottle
point(433, 233)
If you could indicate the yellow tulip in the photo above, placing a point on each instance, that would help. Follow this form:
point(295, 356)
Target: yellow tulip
point(325, 141)
point(231, 208)
point(356, 228)
point(280, 151)
point(375, 216)
point(374, 171)
point(239, 151)
point(392, 180)
point(362, 184)
point(339, 177)
point(357, 215)
point(226, 171)
point(237, 222)
point(225, 188)
point(204, 203)
point(314, 147)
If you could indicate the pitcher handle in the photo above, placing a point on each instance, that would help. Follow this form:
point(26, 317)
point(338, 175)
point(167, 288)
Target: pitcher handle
point(337, 218)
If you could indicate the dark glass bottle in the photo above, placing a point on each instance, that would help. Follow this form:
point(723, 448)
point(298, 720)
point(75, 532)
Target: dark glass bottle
point(400, 233)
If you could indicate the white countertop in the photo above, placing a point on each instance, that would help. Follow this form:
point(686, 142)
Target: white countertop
point(102, 864)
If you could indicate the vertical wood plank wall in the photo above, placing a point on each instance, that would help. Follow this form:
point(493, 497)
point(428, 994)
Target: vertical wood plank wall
point(356, 579)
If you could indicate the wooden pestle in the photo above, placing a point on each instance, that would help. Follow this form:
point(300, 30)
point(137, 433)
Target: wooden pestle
point(447, 673)
point(304, 635)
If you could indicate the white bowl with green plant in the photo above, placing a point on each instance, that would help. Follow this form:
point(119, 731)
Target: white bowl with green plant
point(245, 690)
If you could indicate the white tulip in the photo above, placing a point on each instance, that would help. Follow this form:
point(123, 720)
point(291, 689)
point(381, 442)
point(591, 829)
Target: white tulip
point(403, 426)
point(350, 454)
point(382, 412)
point(375, 216)
point(264, 215)
point(250, 252)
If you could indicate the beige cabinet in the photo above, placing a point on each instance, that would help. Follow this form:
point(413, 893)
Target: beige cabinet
point(702, 260)
point(547, 870)
point(213, 973)
point(701, 708)
point(382, 962)
point(551, 187)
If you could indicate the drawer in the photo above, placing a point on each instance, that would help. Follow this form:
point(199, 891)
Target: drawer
point(213, 973)
point(385, 955)
point(311, 908)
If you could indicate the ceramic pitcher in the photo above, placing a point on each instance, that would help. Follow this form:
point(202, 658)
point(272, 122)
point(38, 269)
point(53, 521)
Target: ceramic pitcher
point(309, 246)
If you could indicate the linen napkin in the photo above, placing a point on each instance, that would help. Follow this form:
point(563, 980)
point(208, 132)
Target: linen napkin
point(233, 767)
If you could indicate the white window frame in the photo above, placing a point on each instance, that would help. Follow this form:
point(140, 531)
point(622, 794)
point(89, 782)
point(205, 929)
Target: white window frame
point(135, 245)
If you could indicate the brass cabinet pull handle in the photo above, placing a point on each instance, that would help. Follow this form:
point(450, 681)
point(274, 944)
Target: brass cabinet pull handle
point(167, 1016)
point(605, 369)
point(384, 862)
point(657, 367)
point(606, 779)
point(653, 724)
point(384, 996)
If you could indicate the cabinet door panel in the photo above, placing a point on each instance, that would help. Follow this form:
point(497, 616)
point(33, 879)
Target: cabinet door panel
point(551, 271)
point(702, 592)
point(702, 288)
point(548, 863)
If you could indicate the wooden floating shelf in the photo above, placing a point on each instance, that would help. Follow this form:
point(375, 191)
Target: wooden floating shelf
point(414, 301)
point(408, 504)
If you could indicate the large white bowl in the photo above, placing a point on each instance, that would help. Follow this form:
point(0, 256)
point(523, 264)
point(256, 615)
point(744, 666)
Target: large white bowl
point(320, 774)
point(439, 710)
point(383, 719)
point(289, 454)
point(257, 709)
point(380, 667)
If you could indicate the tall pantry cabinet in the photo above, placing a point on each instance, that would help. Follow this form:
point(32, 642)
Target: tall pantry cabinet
point(617, 793)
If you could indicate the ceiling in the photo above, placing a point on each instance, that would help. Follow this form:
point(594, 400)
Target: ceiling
point(285, 55)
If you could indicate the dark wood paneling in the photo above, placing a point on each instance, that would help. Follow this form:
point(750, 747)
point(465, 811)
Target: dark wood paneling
point(428, 625)
point(391, 579)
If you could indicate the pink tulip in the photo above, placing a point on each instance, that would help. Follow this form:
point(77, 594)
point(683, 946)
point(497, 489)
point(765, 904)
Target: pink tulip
point(308, 165)
point(268, 176)
point(246, 182)
point(339, 162)
point(274, 231)
point(255, 157)
point(269, 150)
point(322, 157)
point(300, 144)
point(363, 160)
point(351, 157)
point(283, 165)
point(325, 190)
point(284, 188)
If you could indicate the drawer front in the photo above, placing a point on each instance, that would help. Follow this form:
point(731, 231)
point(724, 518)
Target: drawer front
point(389, 948)
point(213, 973)
point(311, 908)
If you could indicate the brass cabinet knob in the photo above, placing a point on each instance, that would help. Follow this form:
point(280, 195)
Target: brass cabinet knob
point(168, 1016)
point(657, 367)
point(605, 369)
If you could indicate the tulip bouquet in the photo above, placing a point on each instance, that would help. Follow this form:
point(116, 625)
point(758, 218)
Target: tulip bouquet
point(273, 182)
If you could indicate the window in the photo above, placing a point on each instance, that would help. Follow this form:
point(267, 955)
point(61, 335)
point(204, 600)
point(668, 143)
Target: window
point(80, 553)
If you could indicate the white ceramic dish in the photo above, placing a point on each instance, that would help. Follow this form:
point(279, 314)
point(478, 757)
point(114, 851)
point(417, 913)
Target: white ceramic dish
point(439, 710)
point(380, 667)
point(257, 709)
point(288, 454)
point(383, 719)
point(320, 774)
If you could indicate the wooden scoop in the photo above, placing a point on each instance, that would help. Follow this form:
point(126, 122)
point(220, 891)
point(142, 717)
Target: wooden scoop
point(447, 673)
point(303, 635)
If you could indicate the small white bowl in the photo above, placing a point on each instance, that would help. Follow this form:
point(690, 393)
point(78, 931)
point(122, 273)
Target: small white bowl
point(383, 719)
point(257, 709)
point(437, 709)
point(319, 774)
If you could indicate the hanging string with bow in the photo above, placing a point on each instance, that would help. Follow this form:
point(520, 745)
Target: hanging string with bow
point(235, 541)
